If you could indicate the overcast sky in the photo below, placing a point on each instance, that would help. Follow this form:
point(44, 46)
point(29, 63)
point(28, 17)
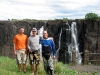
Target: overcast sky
point(47, 9)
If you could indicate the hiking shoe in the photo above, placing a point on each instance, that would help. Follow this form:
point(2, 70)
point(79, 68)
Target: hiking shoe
point(25, 72)
point(19, 70)
point(32, 73)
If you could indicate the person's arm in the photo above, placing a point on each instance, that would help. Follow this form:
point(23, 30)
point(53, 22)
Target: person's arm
point(14, 48)
point(53, 49)
point(40, 38)
point(28, 45)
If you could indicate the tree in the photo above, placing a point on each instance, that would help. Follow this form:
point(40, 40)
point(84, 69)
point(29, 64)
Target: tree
point(65, 19)
point(91, 16)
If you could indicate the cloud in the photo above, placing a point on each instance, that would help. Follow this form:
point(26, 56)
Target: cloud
point(47, 9)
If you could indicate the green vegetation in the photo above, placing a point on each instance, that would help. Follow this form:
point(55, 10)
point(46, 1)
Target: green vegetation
point(14, 20)
point(8, 67)
point(64, 19)
point(91, 16)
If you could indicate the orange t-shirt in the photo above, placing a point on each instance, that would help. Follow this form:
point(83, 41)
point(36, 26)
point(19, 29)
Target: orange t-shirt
point(20, 41)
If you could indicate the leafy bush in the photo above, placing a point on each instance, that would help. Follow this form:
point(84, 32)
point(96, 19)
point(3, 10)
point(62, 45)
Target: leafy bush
point(91, 16)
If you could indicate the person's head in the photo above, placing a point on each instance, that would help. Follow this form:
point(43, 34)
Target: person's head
point(34, 31)
point(21, 30)
point(45, 34)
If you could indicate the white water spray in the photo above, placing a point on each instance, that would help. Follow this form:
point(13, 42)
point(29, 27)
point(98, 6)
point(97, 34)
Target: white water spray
point(59, 44)
point(74, 42)
point(40, 33)
point(73, 45)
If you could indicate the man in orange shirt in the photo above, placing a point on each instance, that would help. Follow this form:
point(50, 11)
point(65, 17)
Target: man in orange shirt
point(20, 48)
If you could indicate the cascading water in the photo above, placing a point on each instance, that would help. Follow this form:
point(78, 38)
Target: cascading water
point(73, 43)
point(30, 33)
point(59, 44)
point(40, 33)
point(68, 41)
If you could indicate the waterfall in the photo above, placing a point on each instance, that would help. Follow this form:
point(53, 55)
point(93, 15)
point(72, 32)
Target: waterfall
point(68, 41)
point(73, 44)
point(30, 33)
point(68, 34)
point(59, 44)
point(40, 33)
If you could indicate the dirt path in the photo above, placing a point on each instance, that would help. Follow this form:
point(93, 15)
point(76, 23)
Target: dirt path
point(86, 68)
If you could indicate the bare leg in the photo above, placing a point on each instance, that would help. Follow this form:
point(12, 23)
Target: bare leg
point(37, 66)
point(19, 67)
point(32, 68)
point(24, 67)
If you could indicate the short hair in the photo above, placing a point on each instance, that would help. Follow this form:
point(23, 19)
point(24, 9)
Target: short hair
point(21, 27)
point(45, 30)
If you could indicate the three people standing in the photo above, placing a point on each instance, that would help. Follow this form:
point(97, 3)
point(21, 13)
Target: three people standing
point(48, 51)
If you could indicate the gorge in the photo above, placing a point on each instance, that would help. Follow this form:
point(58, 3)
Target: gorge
point(88, 35)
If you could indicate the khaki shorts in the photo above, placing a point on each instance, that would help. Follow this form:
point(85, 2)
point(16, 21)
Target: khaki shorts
point(34, 58)
point(21, 56)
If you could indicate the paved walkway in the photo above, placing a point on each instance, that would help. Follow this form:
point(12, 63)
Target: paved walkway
point(86, 68)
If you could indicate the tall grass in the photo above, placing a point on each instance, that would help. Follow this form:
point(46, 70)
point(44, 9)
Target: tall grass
point(9, 67)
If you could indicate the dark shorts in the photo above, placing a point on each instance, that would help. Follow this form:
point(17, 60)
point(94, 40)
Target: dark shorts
point(34, 57)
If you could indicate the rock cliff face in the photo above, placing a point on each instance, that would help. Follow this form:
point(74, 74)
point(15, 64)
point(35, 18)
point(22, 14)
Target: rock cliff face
point(9, 29)
point(88, 35)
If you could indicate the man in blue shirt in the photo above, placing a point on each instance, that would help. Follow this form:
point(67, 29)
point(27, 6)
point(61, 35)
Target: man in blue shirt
point(48, 53)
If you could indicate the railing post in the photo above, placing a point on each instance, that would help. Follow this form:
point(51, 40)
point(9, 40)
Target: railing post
point(74, 57)
point(86, 57)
